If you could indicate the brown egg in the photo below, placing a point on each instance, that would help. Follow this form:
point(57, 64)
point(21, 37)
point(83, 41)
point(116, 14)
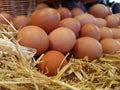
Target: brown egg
point(51, 62)
point(64, 12)
point(7, 16)
point(87, 46)
point(118, 39)
point(90, 30)
point(98, 10)
point(118, 15)
point(100, 22)
point(116, 33)
point(72, 24)
point(106, 32)
point(112, 21)
point(86, 18)
point(41, 6)
point(110, 45)
point(21, 21)
point(46, 18)
point(76, 11)
point(62, 39)
point(34, 37)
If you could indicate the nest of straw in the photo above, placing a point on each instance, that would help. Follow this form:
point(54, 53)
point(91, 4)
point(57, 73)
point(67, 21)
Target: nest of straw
point(18, 71)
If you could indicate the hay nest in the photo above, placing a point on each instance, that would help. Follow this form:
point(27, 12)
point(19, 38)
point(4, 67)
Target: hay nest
point(18, 71)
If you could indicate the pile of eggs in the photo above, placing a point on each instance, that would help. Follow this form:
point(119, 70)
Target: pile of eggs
point(55, 32)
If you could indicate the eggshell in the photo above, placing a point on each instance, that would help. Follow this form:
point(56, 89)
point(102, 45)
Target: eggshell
point(41, 6)
point(76, 11)
point(101, 22)
point(87, 46)
point(62, 39)
point(64, 12)
point(72, 24)
point(34, 37)
point(7, 16)
point(112, 21)
point(110, 45)
point(46, 18)
point(90, 30)
point(51, 61)
point(86, 18)
point(20, 21)
point(98, 10)
point(116, 33)
point(106, 32)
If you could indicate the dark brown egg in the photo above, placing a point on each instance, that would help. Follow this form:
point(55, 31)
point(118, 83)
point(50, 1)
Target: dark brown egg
point(64, 12)
point(112, 21)
point(90, 30)
point(51, 62)
point(21, 21)
point(72, 24)
point(98, 10)
point(76, 11)
point(86, 18)
point(87, 46)
point(46, 18)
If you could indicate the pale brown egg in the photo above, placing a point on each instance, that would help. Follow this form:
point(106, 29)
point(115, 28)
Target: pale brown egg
point(34, 37)
point(90, 30)
point(41, 6)
point(62, 39)
point(20, 21)
point(76, 11)
point(110, 45)
point(87, 46)
point(46, 18)
point(86, 18)
point(101, 22)
point(112, 21)
point(72, 24)
point(106, 32)
point(116, 33)
point(118, 15)
point(51, 62)
point(98, 10)
point(64, 12)
point(6, 16)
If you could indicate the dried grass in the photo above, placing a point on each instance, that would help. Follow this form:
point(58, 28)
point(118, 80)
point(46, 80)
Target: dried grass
point(18, 71)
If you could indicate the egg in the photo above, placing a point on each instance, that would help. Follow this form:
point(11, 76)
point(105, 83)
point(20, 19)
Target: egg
point(41, 6)
point(72, 24)
point(87, 46)
point(46, 18)
point(7, 16)
point(86, 18)
point(100, 22)
point(106, 32)
point(51, 62)
point(98, 10)
point(90, 30)
point(112, 21)
point(76, 11)
point(34, 37)
point(62, 39)
point(116, 33)
point(110, 45)
point(64, 12)
point(20, 21)
point(118, 15)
